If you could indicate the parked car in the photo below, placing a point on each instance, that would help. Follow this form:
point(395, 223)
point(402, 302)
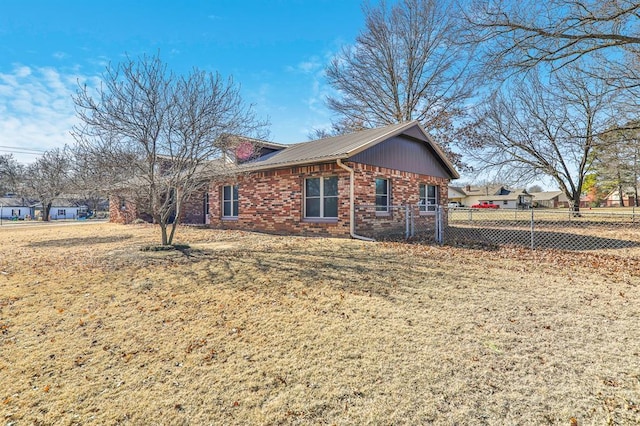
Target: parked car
point(485, 205)
point(454, 204)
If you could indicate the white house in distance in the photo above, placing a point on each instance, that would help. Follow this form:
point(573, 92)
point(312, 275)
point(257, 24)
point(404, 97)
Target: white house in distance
point(14, 208)
point(62, 209)
point(505, 198)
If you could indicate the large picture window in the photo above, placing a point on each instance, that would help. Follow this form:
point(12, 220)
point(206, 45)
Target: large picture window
point(428, 198)
point(230, 201)
point(382, 195)
point(321, 197)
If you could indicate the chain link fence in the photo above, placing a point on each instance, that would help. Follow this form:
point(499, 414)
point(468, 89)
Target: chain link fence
point(543, 229)
point(396, 222)
point(529, 228)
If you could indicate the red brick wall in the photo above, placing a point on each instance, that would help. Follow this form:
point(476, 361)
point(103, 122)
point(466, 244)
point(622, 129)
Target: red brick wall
point(272, 201)
point(404, 190)
point(121, 211)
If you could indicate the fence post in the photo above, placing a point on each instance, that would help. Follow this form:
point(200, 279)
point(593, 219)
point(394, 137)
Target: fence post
point(439, 225)
point(407, 221)
point(413, 221)
point(532, 229)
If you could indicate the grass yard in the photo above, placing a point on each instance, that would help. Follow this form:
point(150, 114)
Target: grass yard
point(253, 329)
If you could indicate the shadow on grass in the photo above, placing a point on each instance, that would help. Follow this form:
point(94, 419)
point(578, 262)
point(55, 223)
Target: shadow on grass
point(64, 242)
point(346, 269)
point(541, 239)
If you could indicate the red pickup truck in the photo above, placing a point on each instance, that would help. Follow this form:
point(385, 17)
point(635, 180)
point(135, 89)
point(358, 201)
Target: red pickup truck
point(485, 205)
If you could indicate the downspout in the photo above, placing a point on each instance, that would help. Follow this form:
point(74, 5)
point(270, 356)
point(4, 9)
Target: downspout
point(352, 206)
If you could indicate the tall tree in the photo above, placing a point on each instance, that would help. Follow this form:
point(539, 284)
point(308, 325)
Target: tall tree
point(49, 178)
point(547, 126)
point(161, 134)
point(402, 67)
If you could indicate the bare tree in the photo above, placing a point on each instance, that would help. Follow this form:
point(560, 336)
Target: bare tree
point(49, 177)
point(402, 67)
point(11, 174)
point(160, 135)
point(545, 127)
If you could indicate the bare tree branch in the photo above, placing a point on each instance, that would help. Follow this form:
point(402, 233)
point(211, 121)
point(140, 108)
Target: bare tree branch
point(159, 135)
point(402, 67)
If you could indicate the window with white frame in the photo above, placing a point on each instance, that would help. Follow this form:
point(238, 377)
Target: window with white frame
point(428, 198)
point(383, 188)
point(321, 197)
point(230, 201)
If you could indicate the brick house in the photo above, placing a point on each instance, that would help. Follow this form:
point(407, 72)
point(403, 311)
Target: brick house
point(318, 187)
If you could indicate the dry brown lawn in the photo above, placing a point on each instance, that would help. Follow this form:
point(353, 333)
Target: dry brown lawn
point(252, 329)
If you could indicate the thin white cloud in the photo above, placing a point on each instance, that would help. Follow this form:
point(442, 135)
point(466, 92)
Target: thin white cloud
point(309, 66)
point(37, 109)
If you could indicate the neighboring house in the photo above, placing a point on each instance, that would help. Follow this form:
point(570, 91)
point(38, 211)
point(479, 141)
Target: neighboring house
point(628, 198)
point(62, 208)
point(323, 187)
point(15, 208)
point(457, 195)
point(550, 199)
point(504, 197)
point(589, 200)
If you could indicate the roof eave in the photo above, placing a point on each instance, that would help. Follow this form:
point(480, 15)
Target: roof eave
point(260, 167)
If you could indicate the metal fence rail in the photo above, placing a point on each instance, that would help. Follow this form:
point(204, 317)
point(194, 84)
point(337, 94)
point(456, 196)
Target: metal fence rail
point(531, 228)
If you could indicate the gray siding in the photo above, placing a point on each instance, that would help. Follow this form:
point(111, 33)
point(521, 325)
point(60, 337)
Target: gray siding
point(405, 154)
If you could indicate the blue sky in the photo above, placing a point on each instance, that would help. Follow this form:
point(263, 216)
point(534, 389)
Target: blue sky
point(277, 50)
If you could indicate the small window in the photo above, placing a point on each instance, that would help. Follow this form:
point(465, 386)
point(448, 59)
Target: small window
point(382, 195)
point(505, 202)
point(230, 201)
point(321, 197)
point(428, 198)
point(62, 212)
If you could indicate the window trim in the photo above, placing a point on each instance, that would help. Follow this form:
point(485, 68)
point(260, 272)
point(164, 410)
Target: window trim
point(233, 201)
point(424, 201)
point(382, 209)
point(321, 197)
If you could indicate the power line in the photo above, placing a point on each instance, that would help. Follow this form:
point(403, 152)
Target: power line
point(8, 148)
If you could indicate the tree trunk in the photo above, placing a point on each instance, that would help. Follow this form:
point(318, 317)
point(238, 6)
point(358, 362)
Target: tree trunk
point(620, 193)
point(576, 204)
point(177, 213)
point(46, 211)
point(163, 231)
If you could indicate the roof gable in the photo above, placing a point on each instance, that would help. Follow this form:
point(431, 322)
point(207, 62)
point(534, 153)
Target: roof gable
point(345, 146)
